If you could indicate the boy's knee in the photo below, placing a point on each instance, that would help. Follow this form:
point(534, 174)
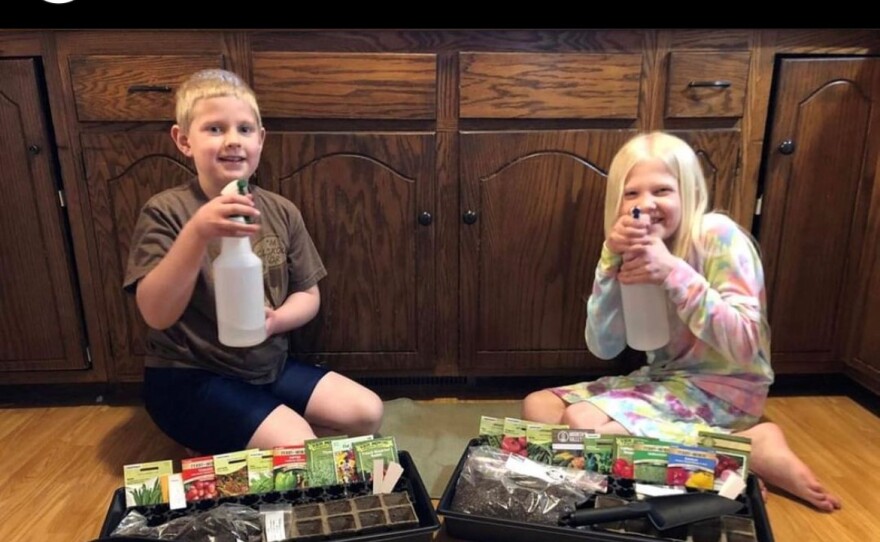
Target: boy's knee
point(367, 414)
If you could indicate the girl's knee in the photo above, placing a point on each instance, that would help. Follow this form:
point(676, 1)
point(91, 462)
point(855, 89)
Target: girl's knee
point(542, 406)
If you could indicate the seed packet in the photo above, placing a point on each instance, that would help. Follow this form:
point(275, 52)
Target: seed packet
point(231, 472)
point(199, 482)
point(691, 466)
point(319, 459)
point(147, 483)
point(732, 454)
point(624, 448)
point(539, 441)
point(384, 448)
point(344, 460)
point(568, 448)
point(491, 431)
point(289, 467)
point(598, 453)
point(259, 466)
point(649, 461)
point(514, 439)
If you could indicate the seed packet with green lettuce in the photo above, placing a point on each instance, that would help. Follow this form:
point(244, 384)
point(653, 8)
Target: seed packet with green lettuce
point(319, 458)
point(624, 447)
point(598, 453)
point(365, 452)
point(147, 483)
point(649, 461)
point(260, 478)
point(344, 459)
point(289, 467)
point(732, 454)
point(491, 431)
point(568, 447)
point(539, 441)
point(231, 472)
point(514, 439)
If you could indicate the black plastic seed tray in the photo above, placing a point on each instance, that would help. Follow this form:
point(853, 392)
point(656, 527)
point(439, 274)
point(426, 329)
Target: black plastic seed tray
point(489, 529)
point(401, 529)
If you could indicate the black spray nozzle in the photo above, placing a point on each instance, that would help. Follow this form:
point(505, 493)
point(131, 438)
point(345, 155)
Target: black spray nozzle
point(636, 212)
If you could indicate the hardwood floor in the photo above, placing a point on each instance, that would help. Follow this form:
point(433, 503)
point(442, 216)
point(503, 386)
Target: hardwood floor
point(60, 465)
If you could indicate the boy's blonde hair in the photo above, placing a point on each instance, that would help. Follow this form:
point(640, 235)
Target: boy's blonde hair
point(211, 83)
point(683, 164)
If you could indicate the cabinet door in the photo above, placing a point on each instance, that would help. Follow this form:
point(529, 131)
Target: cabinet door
point(719, 154)
point(362, 197)
point(40, 322)
point(825, 136)
point(123, 170)
point(532, 211)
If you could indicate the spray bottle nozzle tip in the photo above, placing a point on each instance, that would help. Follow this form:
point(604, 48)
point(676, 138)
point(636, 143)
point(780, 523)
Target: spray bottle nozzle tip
point(636, 212)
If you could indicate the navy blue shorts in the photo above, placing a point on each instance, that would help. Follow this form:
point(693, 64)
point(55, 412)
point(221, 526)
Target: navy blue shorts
point(211, 413)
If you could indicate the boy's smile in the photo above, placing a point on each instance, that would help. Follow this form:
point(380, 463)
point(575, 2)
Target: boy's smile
point(224, 140)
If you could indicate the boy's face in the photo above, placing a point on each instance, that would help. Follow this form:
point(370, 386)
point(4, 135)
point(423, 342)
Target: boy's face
point(223, 139)
point(654, 190)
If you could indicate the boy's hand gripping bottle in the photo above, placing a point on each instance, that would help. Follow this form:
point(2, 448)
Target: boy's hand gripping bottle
point(238, 287)
point(644, 313)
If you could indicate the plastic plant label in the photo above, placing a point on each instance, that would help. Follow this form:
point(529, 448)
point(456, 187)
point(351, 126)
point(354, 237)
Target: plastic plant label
point(176, 495)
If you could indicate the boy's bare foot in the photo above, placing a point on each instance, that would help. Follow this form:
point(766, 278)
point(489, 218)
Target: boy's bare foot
point(776, 463)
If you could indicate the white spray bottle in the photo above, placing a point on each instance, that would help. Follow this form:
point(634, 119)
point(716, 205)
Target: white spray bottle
point(238, 286)
point(644, 313)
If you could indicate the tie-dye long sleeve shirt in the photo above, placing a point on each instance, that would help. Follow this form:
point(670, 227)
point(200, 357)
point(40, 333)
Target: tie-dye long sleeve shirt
point(719, 335)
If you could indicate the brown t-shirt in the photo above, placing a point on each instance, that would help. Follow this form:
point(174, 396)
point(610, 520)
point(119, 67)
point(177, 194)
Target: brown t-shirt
point(290, 264)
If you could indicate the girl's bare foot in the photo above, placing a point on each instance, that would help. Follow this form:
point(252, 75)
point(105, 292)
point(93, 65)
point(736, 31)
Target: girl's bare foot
point(776, 463)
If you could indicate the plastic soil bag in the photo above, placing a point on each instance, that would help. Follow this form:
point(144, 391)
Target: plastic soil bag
point(225, 523)
point(497, 484)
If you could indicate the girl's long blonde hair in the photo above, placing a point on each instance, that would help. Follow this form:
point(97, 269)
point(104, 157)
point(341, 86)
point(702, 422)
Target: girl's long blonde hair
point(683, 164)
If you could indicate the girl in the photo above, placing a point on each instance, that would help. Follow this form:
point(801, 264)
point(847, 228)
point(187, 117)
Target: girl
point(714, 374)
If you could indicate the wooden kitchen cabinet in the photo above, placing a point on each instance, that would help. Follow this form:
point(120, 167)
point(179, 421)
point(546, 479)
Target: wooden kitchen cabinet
point(453, 181)
point(822, 152)
point(41, 326)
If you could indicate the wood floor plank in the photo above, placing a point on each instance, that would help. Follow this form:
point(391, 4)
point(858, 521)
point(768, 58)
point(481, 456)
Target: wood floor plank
point(62, 464)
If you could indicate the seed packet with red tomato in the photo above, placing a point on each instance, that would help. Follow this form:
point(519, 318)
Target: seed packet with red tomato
point(732, 454)
point(514, 439)
point(199, 482)
point(624, 448)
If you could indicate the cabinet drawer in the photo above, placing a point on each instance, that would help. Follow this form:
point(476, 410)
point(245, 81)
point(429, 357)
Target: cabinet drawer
point(706, 84)
point(132, 87)
point(550, 85)
point(346, 85)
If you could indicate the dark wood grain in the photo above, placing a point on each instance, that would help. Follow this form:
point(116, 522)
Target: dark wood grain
point(123, 170)
point(104, 85)
point(354, 85)
point(815, 204)
point(527, 263)
point(683, 100)
point(360, 196)
point(549, 85)
point(40, 327)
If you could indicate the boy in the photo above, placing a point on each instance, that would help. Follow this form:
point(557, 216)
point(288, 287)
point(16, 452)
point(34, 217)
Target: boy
point(206, 396)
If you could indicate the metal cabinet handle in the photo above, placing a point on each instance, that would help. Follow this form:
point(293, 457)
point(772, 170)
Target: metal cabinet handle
point(709, 84)
point(469, 217)
point(149, 88)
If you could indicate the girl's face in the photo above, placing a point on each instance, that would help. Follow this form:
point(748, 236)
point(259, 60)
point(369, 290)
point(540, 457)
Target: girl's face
point(224, 140)
point(653, 189)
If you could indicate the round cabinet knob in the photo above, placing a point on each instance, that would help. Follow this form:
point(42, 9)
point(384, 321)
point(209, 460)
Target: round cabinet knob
point(469, 217)
point(34, 149)
point(425, 218)
point(786, 147)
